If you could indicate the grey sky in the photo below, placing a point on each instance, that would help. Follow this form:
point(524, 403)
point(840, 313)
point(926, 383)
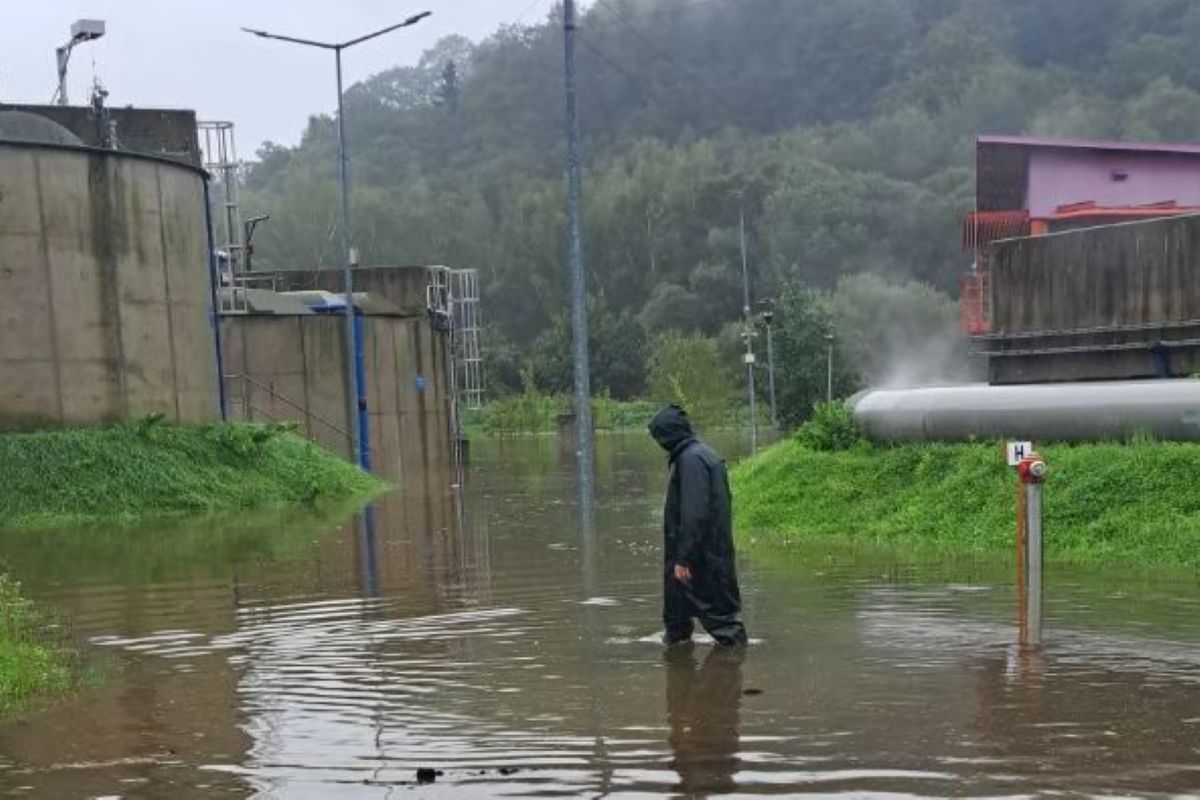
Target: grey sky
point(191, 54)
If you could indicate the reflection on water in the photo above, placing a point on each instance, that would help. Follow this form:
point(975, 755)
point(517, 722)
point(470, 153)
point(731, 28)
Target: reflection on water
point(702, 712)
point(493, 640)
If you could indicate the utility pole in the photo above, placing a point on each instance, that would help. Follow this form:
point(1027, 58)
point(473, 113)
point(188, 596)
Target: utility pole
point(748, 333)
point(357, 431)
point(575, 267)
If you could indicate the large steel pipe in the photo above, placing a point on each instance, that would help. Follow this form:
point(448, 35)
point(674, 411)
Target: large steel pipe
point(1066, 412)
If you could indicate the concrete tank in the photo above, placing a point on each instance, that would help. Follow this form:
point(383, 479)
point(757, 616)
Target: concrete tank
point(104, 288)
point(1059, 412)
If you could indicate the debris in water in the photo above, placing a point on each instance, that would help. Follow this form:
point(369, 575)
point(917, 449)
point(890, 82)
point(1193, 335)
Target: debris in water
point(508, 770)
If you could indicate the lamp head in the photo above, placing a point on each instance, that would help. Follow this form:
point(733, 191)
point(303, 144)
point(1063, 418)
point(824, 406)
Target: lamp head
point(85, 30)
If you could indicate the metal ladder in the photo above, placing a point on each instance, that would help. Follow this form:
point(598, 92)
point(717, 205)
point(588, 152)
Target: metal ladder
point(464, 310)
point(219, 154)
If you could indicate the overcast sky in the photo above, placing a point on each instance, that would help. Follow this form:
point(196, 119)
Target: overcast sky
point(191, 54)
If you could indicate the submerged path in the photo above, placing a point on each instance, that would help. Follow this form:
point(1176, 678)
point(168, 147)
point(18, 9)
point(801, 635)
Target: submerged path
point(298, 662)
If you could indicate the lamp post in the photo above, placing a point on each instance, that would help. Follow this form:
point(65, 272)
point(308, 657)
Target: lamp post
point(768, 317)
point(83, 30)
point(356, 400)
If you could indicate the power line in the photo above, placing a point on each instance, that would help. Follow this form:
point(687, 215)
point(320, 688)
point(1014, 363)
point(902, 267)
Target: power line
point(684, 74)
point(521, 17)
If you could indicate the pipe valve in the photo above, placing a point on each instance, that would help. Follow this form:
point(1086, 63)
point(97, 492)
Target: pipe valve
point(1032, 469)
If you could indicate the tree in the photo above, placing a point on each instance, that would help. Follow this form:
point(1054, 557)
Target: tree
point(805, 329)
point(686, 369)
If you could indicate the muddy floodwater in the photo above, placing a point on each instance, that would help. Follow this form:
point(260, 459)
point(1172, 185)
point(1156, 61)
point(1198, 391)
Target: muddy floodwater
point(292, 657)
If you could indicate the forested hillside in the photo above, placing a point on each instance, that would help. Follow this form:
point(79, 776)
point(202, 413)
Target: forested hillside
point(842, 128)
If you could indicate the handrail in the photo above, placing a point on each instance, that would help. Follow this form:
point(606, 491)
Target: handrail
point(276, 396)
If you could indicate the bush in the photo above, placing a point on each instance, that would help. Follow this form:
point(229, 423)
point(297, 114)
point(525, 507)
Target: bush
point(831, 427)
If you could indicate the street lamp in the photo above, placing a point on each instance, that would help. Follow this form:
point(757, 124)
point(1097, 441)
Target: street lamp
point(356, 405)
point(84, 30)
point(768, 317)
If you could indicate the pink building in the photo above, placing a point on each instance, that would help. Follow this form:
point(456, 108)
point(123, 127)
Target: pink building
point(1027, 186)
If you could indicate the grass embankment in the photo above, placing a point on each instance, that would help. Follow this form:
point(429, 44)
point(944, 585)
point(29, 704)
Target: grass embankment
point(532, 413)
point(152, 469)
point(1138, 501)
point(29, 667)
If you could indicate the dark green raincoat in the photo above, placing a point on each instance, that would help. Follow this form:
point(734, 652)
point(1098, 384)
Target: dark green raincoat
point(698, 534)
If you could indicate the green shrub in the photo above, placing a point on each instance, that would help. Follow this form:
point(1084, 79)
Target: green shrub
point(831, 428)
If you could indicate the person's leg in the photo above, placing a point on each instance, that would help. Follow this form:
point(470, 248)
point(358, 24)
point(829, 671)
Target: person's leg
point(717, 601)
point(726, 629)
point(677, 611)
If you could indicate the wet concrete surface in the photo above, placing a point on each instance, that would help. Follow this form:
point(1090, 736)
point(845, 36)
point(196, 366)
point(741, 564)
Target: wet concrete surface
point(295, 657)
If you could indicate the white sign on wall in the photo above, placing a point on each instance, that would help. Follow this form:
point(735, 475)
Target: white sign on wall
point(1017, 451)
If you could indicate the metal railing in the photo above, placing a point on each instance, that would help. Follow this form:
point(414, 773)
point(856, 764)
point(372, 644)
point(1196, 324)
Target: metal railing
point(242, 398)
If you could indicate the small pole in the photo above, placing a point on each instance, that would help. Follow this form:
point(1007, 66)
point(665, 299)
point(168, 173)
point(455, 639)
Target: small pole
point(1032, 472)
point(769, 318)
point(829, 368)
point(63, 54)
point(748, 332)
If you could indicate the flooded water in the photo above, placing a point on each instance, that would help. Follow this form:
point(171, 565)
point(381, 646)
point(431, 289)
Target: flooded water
point(301, 658)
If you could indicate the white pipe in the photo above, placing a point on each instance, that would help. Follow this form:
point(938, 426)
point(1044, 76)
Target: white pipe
point(1066, 412)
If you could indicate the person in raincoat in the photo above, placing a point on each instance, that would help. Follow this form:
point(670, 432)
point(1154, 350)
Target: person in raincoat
point(699, 570)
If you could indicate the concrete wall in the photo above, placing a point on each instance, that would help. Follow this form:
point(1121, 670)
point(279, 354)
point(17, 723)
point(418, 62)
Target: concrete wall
point(298, 364)
point(104, 289)
point(403, 288)
point(1115, 302)
point(170, 133)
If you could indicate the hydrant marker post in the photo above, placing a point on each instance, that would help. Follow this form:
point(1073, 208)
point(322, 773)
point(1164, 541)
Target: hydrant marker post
point(1031, 470)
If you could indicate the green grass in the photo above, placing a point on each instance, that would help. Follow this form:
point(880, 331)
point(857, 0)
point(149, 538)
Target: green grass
point(152, 469)
point(1138, 502)
point(30, 668)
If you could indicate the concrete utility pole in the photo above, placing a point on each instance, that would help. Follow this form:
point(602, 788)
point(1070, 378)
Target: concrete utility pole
point(748, 333)
point(357, 429)
point(577, 277)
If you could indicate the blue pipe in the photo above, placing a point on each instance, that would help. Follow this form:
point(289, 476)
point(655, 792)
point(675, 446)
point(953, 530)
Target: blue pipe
point(214, 317)
point(360, 374)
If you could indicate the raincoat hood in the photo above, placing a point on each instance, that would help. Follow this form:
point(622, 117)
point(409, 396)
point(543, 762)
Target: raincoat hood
point(671, 428)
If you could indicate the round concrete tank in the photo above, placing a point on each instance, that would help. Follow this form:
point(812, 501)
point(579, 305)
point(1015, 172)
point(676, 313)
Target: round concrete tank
point(1054, 412)
point(104, 288)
